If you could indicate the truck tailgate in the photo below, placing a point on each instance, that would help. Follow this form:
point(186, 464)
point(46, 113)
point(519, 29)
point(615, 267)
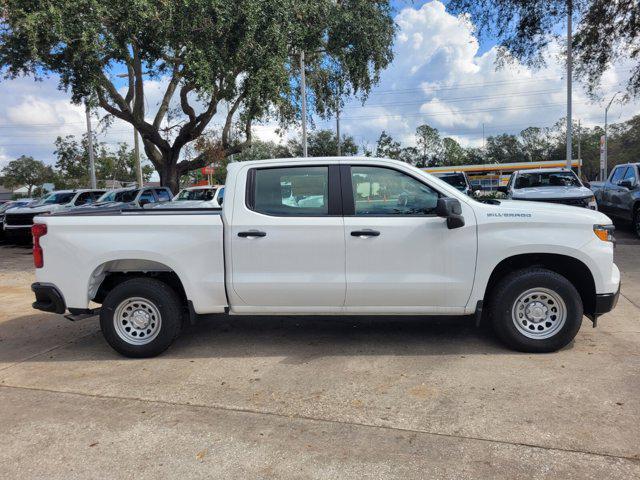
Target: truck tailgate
point(80, 249)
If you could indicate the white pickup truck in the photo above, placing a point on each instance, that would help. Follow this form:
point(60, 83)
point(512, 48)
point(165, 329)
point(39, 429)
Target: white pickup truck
point(330, 236)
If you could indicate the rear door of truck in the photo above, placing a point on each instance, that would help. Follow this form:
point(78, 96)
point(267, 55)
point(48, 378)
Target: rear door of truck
point(286, 239)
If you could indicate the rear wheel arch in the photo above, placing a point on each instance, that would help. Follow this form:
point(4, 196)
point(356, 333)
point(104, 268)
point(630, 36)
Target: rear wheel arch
point(569, 267)
point(112, 273)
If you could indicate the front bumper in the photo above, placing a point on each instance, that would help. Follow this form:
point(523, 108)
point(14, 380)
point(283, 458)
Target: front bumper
point(605, 302)
point(48, 298)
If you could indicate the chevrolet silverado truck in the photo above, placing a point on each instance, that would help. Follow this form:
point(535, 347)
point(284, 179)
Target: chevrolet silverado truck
point(329, 236)
point(619, 196)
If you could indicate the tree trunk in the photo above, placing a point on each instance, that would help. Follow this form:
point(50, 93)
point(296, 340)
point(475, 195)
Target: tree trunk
point(169, 172)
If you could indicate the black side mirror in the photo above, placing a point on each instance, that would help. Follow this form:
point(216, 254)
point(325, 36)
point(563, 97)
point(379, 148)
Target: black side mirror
point(143, 202)
point(627, 183)
point(587, 184)
point(450, 209)
point(504, 190)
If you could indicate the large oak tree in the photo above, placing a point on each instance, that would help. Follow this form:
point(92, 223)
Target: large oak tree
point(236, 58)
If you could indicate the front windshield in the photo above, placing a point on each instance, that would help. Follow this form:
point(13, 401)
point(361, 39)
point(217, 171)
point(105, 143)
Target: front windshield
point(119, 196)
point(199, 194)
point(455, 181)
point(547, 179)
point(58, 198)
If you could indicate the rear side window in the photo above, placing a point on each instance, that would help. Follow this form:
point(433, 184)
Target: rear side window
point(147, 197)
point(630, 174)
point(290, 191)
point(163, 195)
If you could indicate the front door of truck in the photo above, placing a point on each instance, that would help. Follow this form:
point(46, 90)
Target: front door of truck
point(287, 241)
point(400, 256)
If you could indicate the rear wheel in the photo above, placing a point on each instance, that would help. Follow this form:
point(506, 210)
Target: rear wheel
point(536, 310)
point(141, 317)
point(636, 221)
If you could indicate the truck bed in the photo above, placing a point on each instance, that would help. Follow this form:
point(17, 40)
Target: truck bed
point(106, 241)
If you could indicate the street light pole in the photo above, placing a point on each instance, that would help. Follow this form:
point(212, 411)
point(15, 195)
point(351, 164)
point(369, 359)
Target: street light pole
point(303, 99)
point(569, 79)
point(338, 130)
point(92, 166)
point(606, 138)
point(136, 152)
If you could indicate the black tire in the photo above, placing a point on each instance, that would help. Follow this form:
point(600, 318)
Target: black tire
point(636, 221)
point(158, 298)
point(504, 312)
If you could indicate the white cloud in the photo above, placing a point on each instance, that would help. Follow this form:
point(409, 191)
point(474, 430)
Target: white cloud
point(440, 77)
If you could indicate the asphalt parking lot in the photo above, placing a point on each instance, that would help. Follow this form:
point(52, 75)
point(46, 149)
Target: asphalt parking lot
point(291, 397)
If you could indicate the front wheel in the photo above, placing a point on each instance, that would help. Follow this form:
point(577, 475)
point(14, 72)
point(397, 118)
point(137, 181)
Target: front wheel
point(636, 221)
point(536, 310)
point(141, 317)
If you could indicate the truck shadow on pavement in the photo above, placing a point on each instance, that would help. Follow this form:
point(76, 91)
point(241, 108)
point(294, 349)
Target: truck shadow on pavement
point(296, 339)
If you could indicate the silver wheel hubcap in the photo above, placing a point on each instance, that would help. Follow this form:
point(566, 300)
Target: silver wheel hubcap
point(539, 313)
point(137, 321)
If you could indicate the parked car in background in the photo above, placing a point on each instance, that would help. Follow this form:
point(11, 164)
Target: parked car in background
point(534, 269)
point(23, 202)
point(458, 180)
point(18, 221)
point(619, 196)
point(208, 196)
point(132, 197)
point(553, 185)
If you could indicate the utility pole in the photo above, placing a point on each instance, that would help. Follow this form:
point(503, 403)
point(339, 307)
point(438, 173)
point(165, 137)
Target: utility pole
point(303, 98)
point(569, 78)
point(92, 166)
point(483, 136)
point(338, 130)
point(606, 138)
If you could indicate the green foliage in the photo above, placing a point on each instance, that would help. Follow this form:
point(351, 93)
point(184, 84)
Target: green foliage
point(322, 143)
point(605, 31)
point(72, 163)
point(387, 147)
point(26, 171)
point(241, 54)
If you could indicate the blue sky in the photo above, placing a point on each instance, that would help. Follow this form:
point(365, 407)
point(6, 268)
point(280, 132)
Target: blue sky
point(443, 75)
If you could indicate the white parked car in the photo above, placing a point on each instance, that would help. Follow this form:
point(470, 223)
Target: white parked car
point(207, 196)
point(555, 185)
point(532, 269)
point(18, 221)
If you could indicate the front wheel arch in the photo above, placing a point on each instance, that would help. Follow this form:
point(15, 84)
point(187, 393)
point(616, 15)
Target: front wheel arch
point(571, 268)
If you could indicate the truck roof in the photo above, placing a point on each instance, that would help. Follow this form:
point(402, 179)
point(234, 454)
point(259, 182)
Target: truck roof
point(312, 161)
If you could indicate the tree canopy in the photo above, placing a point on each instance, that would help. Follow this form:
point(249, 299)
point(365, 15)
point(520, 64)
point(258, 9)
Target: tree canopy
point(237, 59)
point(26, 172)
point(606, 31)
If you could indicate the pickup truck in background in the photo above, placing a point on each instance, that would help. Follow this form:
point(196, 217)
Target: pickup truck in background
point(330, 236)
point(552, 185)
point(619, 196)
point(18, 221)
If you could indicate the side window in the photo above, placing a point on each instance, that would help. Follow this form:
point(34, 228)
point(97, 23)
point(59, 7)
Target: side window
point(163, 195)
point(221, 196)
point(630, 174)
point(96, 195)
point(383, 191)
point(617, 174)
point(146, 197)
point(84, 199)
point(291, 191)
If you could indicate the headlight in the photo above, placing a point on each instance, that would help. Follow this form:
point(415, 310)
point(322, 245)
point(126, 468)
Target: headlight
point(605, 232)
